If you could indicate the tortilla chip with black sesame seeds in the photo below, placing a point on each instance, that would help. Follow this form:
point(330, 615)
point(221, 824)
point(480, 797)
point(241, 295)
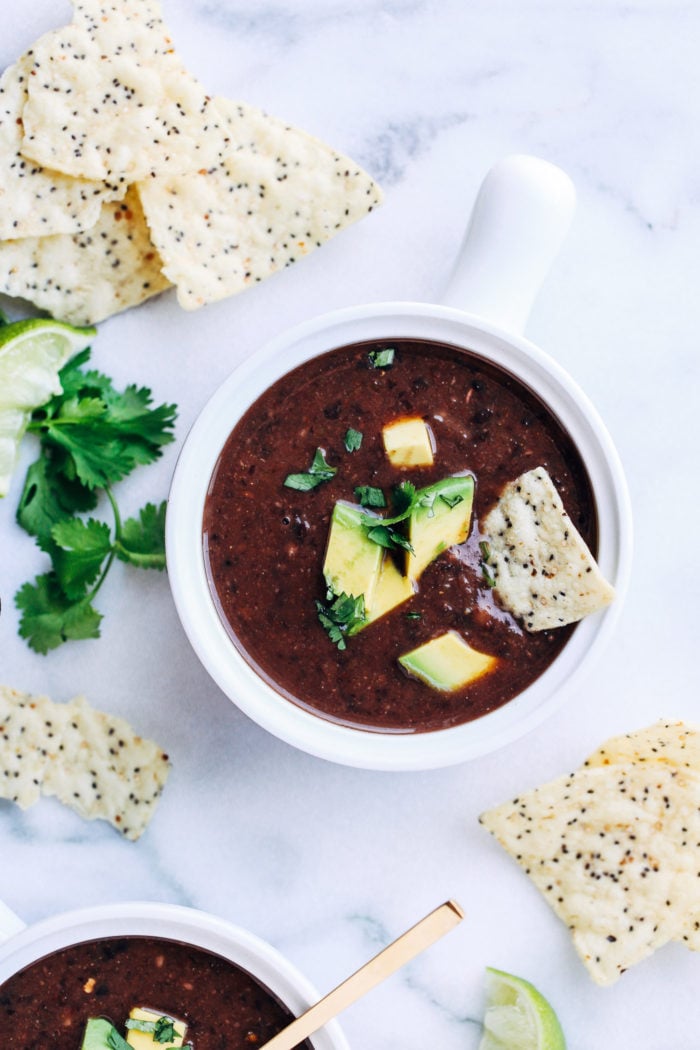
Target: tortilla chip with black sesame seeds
point(91, 761)
point(35, 201)
point(231, 194)
point(26, 732)
point(674, 744)
point(276, 195)
point(615, 850)
point(543, 571)
point(83, 278)
point(109, 98)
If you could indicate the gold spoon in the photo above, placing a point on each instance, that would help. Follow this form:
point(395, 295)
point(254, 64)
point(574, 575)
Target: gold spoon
point(395, 955)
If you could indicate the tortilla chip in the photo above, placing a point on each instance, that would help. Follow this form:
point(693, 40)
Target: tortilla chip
point(105, 771)
point(89, 760)
point(616, 853)
point(140, 111)
point(86, 277)
point(675, 745)
point(544, 573)
point(277, 194)
point(24, 735)
point(35, 201)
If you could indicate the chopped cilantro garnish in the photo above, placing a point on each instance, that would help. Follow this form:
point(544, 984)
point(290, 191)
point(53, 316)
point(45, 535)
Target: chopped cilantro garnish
point(451, 501)
point(116, 1042)
point(387, 536)
point(489, 578)
point(340, 614)
point(353, 440)
point(318, 472)
point(162, 1030)
point(91, 436)
point(382, 358)
point(369, 496)
point(413, 616)
point(382, 531)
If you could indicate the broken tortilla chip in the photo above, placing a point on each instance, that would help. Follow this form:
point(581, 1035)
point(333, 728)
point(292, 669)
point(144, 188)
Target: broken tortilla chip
point(543, 572)
point(35, 201)
point(91, 761)
point(615, 850)
point(676, 746)
point(83, 278)
point(276, 194)
point(140, 111)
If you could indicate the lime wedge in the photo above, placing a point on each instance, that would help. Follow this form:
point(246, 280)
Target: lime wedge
point(517, 1016)
point(31, 356)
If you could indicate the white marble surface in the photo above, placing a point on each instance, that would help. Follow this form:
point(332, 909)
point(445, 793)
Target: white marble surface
point(328, 862)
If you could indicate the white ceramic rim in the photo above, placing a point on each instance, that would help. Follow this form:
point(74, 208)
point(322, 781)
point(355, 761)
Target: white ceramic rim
point(187, 574)
point(174, 922)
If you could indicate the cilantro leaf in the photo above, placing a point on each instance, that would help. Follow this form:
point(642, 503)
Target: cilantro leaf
point(115, 1041)
point(404, 500)
point(142, 540)
point(318, 472)
point(353, 440)
point(81, 548)
point(49, 496)
point(341, 615)
point(369, 496)
point(164, 1030)
point(488, 575)
point(387, 536)
point(105, 433)
point(161, 1031)
point(382, 358)
point(382, 531)
point(49, 618)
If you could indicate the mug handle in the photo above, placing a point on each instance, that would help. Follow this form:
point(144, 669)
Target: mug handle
point(10, 924)
point(519, 221)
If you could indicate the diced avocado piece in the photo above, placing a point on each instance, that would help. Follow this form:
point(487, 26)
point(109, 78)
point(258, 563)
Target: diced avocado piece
point(392, 589)
point(440, 519)
point(352, 561)
point(99, 1035)
point(148, 1029)
point(447, 663)
point(355, 565)
point(408, 443)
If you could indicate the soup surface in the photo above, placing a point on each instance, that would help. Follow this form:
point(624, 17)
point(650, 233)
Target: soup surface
point(47, 1004)
point(264, 543)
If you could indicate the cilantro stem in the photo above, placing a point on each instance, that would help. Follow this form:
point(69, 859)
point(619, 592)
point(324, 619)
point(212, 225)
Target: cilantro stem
point(117, 515)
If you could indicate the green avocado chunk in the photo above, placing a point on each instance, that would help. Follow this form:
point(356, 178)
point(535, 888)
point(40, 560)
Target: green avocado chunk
point(355, 565)
point(101, 1034)
point(352, 562)
point(439, 520)
point(446, 663)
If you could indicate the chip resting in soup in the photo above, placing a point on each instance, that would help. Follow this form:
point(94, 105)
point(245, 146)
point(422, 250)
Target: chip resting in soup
point(345, 535)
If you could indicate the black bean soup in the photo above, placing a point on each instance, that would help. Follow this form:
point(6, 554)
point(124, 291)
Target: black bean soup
point(264, 543)
point(45, 1006)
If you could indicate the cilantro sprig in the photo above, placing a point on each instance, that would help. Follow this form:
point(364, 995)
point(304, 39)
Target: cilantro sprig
point(91, 436)
point(340, 615)
point(317, 473)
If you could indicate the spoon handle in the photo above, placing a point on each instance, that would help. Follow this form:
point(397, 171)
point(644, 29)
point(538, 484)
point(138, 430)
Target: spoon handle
point(402, 950)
